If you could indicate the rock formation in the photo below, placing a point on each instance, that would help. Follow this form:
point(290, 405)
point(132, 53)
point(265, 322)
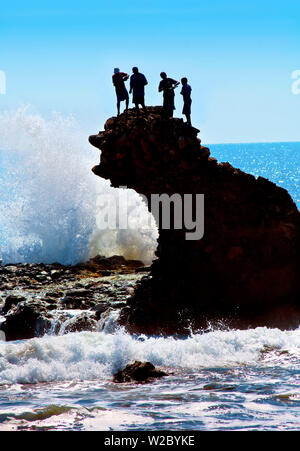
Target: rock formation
point(244, 271)
point(138, 372)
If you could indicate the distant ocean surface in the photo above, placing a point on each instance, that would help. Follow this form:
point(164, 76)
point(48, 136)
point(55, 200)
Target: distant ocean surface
point(221, 380)
point(278, 162)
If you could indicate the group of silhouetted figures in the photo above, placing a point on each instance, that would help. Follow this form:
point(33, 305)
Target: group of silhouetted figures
point(138, 82)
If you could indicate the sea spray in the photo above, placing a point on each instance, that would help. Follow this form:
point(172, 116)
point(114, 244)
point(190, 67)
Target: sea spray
point(48, 206)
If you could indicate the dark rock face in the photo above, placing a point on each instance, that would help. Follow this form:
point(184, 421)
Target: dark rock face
point(26, 320)
point(138, 372)
point(244, 270)
point(10, 301)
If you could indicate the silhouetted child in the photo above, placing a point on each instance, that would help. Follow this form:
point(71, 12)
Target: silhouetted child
point(187, 101)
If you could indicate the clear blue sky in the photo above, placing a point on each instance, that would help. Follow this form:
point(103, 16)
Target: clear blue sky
point(238, 57)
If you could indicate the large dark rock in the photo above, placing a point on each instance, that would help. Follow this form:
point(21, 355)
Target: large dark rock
point(244, 270)
point(10, 301)
point(27, 320)
point(138, 372)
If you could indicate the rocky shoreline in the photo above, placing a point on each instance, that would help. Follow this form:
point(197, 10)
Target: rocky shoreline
point(36, 299)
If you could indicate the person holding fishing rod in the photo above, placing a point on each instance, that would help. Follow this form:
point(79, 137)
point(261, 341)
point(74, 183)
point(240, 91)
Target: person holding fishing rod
point(167, 85)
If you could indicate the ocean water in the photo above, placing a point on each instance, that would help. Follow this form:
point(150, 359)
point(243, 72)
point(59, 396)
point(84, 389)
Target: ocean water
point(278, 162)
point(220, 380)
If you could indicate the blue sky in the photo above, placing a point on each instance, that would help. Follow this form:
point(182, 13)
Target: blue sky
point(238, 57)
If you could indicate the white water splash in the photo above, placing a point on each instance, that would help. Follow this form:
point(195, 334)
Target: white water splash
point(94, 355)
point(48, 195)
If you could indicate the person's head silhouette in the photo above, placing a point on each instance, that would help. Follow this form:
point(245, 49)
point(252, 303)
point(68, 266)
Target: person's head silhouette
point(184, 80)
point(163, 75)
point(135, 70)
point(116, 70)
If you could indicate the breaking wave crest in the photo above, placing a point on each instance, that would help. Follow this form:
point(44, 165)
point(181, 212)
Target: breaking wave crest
point(94, 355)
point(48, 206)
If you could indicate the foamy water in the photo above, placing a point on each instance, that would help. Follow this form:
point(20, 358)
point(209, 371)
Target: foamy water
point(94, 355)
point(222, 380)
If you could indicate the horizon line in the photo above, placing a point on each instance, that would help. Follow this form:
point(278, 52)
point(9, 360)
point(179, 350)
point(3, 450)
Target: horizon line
point(251, 142)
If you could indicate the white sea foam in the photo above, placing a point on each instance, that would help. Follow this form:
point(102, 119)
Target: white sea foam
point(97, 355)
point(48, 195)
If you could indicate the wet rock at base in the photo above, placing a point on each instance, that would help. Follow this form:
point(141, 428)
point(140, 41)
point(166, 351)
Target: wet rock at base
point(138, 372)
point(10, 301)
point(79, 323)
point(21, 322)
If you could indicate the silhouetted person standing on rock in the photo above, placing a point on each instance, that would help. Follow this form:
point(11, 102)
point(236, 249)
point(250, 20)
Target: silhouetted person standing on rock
point(118, 80)
point(167, 85)
point(187, 101)
point(137, 88)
